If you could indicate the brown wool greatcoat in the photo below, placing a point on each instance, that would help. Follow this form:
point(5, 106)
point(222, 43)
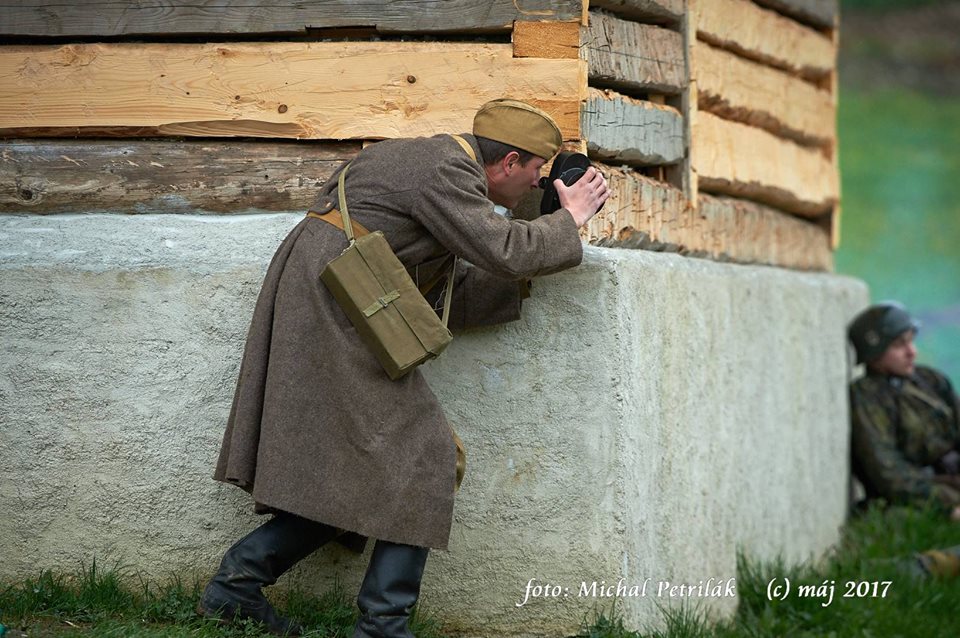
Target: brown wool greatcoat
point(317, 428)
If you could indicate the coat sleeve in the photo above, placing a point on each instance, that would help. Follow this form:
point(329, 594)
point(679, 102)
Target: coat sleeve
point(882, 464)
point(452, 205)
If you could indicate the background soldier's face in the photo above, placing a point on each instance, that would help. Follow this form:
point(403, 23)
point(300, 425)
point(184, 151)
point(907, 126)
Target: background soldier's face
point(899, 357)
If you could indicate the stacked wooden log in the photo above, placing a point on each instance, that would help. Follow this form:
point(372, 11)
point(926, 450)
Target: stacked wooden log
point(669, 99)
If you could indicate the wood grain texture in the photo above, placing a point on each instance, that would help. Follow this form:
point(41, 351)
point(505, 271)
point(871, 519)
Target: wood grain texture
point(156, 176)
point(633, 57)
point(640, 213)
point(171, 17)
point(667, 12)
point(623, 129)
point(647, 214)
point(739, 160)
point(748, 232)
point(745, 91)
point(546, 40)
point(819, 13)
point(343, 90)
point(766, 36)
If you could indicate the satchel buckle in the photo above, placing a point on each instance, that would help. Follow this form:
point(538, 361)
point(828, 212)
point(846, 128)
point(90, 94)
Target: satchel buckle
point(380, 303)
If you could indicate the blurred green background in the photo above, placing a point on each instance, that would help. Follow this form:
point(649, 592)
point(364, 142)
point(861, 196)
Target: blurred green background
point(899, 130)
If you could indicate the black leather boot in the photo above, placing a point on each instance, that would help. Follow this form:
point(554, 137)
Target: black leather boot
point(390, 590)
point(257, 560)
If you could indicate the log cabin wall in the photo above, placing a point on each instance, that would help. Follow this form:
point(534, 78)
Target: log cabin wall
point(763, 130)
point(716, 120)
point(713, 119)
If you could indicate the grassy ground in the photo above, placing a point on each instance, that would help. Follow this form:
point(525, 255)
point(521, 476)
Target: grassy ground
point(100, 602)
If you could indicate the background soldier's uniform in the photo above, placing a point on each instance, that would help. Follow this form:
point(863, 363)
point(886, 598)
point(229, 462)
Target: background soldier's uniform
point(902, 427)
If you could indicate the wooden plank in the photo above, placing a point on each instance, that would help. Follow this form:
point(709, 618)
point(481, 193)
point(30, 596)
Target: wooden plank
point(643, 213)
point(546, 40)
point(631, 131)
point(633, 57)
point(736, 159)
point(99, 18)
point(748, 232)
point(766, 36)
point(738, 89)
point(319, 90)
point(668, 12)
point(819, 13)
point(154, 176)
point(640, 213)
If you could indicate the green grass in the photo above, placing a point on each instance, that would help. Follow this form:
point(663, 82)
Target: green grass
point(875, 546)
point(111, 603)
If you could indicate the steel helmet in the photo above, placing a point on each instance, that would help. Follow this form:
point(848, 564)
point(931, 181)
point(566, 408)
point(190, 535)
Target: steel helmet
point(877, 327)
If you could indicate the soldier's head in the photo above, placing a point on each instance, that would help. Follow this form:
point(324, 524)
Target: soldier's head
point(883, 336)
point(516, 140)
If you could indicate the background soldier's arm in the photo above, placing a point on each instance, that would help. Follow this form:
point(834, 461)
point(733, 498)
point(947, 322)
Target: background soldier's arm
point(884, 466)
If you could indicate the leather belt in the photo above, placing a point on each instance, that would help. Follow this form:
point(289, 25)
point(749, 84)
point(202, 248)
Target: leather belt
point(335, 219)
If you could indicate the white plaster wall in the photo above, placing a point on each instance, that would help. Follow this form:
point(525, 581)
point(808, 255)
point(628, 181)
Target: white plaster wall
point(648, 416)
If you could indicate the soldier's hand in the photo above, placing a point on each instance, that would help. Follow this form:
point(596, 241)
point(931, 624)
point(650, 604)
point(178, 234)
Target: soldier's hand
point(955, 514)
point(584, 197)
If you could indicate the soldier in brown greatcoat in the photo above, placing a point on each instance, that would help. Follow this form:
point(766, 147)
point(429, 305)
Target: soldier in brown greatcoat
point(318, 433)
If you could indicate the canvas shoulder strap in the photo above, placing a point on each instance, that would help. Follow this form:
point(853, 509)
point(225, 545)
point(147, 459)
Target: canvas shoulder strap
point(466, 146)
point(342, 196)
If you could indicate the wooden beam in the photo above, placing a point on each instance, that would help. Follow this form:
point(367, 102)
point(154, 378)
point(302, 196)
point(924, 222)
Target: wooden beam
point(738, 89)
point(833, 221)
point(633, 57)
point(99, 18)
point(324, 90)
point(819, 13)
point(643, 213)
point(153, 176)
point(748, 232)
point(631, 131)
point(546, 40)
point(766, 36)
point(735, 159)
point(668, 12)
point(682, 174)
